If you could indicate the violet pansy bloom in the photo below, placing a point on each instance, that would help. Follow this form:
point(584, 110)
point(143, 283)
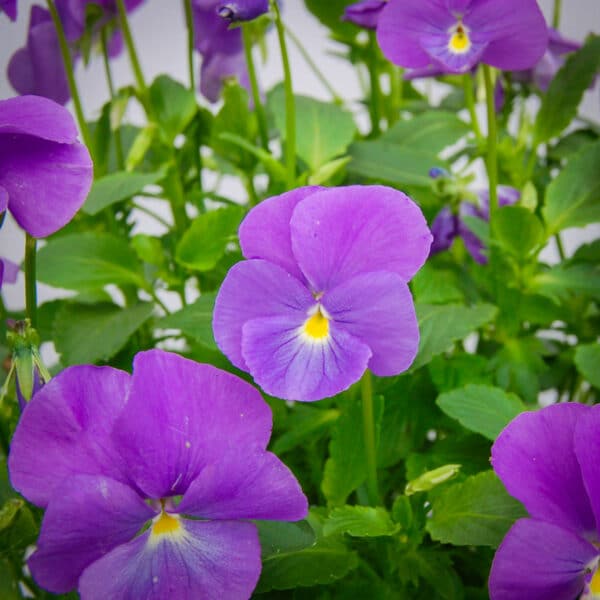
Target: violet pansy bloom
point(323, 295)
point(549, 461)
point(148, 480)
point(242, 10)
point(9, 7)
point(45, 173)
point(364, 13)
point(9, 271)
point(458, 34)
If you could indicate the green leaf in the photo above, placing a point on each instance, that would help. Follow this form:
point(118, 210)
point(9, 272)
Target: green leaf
point(323, 130)
point(430, 479)
point(436, 286)
point(278, 537)
point(573, 198)
point(204, 243)
point(346, 467)
point(481, 408)
point(392, 163)
point(115, 187)
point(563, 280)
point(359, 521)
point(330, 14)
point(17, 527)
point(91, 333)
point(587, 361)
point(431, 132)
point(476, 512)
point(442, 325)
point(88, 261)
point(518, 230)
point(194, 320)
point(559, 105)
point(173, 105)
point(9, 586)
point(458, 370)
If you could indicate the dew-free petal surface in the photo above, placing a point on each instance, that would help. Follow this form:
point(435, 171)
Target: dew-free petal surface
point(10, 8)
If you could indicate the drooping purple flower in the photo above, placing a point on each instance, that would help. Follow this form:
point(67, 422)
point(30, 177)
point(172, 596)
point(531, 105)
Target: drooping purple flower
point(149, 480)
point(323, 295)
point(9, 7)
point(458, 34)
point(9, 271)
point(242, 10)
point(364, 13)
point(45, 173)
point(549, 461)
point(37, 68)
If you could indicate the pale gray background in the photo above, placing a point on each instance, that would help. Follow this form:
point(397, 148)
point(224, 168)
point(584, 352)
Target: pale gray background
point(159, 31)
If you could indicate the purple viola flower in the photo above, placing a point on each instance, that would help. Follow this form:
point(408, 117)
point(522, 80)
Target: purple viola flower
point(9, 7)
point(364, 13)
point(149, 480)
point(444, 229)
point(37, 68)
point(323, 295)
point(9, 271)
point(548, 460)
point(45, 173)
point(459, 34)
point(242, 10)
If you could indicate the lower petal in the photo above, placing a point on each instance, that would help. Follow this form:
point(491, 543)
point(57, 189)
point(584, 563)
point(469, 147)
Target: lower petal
point(540, 561)
point(287, 365)
point(587, 449)
point(211, 560)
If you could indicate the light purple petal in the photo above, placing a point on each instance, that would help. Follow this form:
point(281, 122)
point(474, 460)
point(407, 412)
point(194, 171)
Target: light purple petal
point(181, 416)
point(252, 289)
point(377, 308)
point(10, 8)
point(587, 449)
point(216, 67)
point(212, 34)
point(214, 561)
point(444, 229)
point(65, 431)
point(472, 243)
point(436, 45)
point(46, 182)
point(3, 200)
point(10, 271)
point(86, 518)
point(340, 232)
point(274, 215)
point(534, 457)
point(287, 365)
point(364, 13)
point(36, 116)
point(539, 561)
point(242, 10)
point(245, 483)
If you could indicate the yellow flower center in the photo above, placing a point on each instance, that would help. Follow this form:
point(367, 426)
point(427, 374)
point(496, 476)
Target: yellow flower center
point(595, 583)
point(317, 326)
point(459, 42)
point(166, 524)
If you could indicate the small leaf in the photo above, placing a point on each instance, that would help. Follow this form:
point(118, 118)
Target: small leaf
point(173, 104)
point(359, 521)
point(277, 537)
point(559, 282)
point(518, 230)
point(430, 479)
point(194, 320)
point(476, 512)
point(587, 361)
point(481, 408)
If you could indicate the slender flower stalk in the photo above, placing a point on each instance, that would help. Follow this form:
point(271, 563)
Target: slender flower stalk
point(189, 21)
point(133, 57)
point(290, 103)
point(375, 103)
point(396, 92)
point(30, 279)
point(492, 156)
point(258, 107)
point(68, 64)
point(366, 386)
point(557, 14)
point(470, 101)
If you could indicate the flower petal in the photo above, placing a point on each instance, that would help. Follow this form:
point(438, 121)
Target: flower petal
point(46, 182)
point(252, 289)
point(377, 308)
point(65, 431)
point(534, 457)
point(10, 8)
point(245, 483)
point(10, 271)
point(288, 366)
point(587, 449)
point(87, 517)
point(539, 561)
point(444, 229)
point(181, 416)
point(213, 561)
point(364, 13)
point(340, 232)
point(274, 215)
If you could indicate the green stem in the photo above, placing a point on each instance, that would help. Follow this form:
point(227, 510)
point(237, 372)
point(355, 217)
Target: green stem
point(313, 65)
point(366, 385)
point(151, 213)
point(557, 14)
point(159, 301)
point(560, 247)
point(189, 21)
point(290, 102)
point(396, 92)
point(111, 89)
point(68, 64)
point(492, 156)
point(180, 217)
point(133, 57)
point(470, 101)
point(258, 107)
point(375, 104)
point(30, 279)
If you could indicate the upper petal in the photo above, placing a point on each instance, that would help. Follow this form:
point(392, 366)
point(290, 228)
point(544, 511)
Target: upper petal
point(539, 561)
point(340, 232)
point(251, 289)
point(215, 560)
point(65, 431)
point(377, 308)
point(181, 416)
point(273, 215)
point(10, 8)
point(87, 517)
point(534, 456)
